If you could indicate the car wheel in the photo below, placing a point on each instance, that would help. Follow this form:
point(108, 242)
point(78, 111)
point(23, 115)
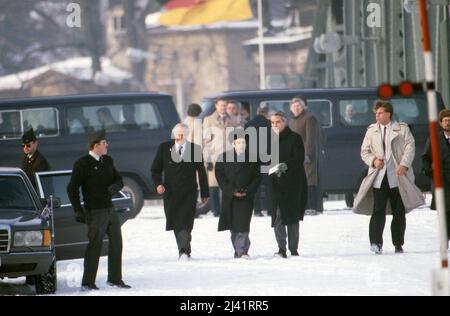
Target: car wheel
point(47, 283)
point(134, 191)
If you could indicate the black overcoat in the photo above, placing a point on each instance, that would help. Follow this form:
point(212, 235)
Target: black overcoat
point(233, 177)
point(290, 191)
point(179, 177)
point(37, 163)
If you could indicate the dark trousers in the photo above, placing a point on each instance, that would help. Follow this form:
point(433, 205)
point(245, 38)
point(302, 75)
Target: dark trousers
point(293, 234)
point(100, 223)
point(315, 198)
point(183, 239)
point(241, 243)
point(215, 200)
point(378, 220)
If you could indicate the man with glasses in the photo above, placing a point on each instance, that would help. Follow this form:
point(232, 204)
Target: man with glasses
point(388, 150)
point(99, 181)
point(33, 161)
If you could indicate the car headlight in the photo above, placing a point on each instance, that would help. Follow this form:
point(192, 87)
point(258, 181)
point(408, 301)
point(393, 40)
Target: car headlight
point(28, 239)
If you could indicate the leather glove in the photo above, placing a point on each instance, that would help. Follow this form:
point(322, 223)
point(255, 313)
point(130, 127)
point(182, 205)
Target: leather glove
point(80, 217)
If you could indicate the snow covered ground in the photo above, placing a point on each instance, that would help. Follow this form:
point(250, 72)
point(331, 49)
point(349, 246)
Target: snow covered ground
point(334, 259)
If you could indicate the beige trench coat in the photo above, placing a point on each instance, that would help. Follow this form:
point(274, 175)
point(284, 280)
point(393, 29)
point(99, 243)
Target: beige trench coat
point(216, 143)
point(403, 150)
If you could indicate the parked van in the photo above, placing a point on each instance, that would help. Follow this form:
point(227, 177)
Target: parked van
point(136, 123)
point(342, 140)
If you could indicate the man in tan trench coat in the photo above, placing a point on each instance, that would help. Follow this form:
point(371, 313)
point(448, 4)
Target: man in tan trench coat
point(388, 149)
point(215, 143)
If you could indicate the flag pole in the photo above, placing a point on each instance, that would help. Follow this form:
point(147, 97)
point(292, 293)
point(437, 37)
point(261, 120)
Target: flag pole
point(440, 278)
point(262, 66)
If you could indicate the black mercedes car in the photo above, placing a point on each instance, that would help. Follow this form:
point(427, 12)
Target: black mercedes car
point(38, 228)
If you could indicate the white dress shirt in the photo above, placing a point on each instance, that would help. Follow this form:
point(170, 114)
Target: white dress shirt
point(94, 155)
point(183, 148)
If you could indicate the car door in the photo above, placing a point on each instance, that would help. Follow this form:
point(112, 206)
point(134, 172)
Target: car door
point(71, 236)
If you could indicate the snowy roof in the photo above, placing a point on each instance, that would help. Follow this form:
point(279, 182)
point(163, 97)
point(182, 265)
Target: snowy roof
point(283, 38)
point(79, 68)
point(248, 24)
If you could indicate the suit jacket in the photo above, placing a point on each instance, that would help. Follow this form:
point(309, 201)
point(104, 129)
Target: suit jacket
point(179, 177)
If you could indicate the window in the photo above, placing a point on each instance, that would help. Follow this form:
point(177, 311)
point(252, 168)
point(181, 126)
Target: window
point(15, 194)
point(113, 118)
point(360, 112)
point(10, 124)
point(44, 122)
point(55, 184)
point(356, 112)
point(407, 111)
point(320, 108)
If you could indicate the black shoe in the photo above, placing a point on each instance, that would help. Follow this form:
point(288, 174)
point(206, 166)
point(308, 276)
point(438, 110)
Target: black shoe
point(294, 253)
point(281, 253)
point(120, 284)
point(89, 287)
point(399, 249)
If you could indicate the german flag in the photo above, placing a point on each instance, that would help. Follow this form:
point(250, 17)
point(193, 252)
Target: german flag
point(201, 12)
point(174, 4)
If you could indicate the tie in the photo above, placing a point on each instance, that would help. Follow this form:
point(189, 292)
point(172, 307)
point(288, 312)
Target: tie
point(384, 139)
point(101, 159)
point(180, 150)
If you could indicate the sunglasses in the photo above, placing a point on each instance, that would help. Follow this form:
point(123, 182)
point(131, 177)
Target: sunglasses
point(26, 145)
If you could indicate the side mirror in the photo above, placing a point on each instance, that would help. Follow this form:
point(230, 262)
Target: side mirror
point(56, 202)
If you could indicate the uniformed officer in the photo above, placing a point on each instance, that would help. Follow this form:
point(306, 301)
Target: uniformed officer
point(99, 181)
point(33, 160)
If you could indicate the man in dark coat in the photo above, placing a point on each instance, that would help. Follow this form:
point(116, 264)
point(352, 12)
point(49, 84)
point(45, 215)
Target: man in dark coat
point(99, 181)
point(444, 142)
point(33, 161)
point(262, 124)
point(288, 184)
point(238, 178)
point(307, 126)
point(180, 161)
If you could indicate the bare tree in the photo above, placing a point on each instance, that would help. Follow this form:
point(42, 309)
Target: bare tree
point(93, 30)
